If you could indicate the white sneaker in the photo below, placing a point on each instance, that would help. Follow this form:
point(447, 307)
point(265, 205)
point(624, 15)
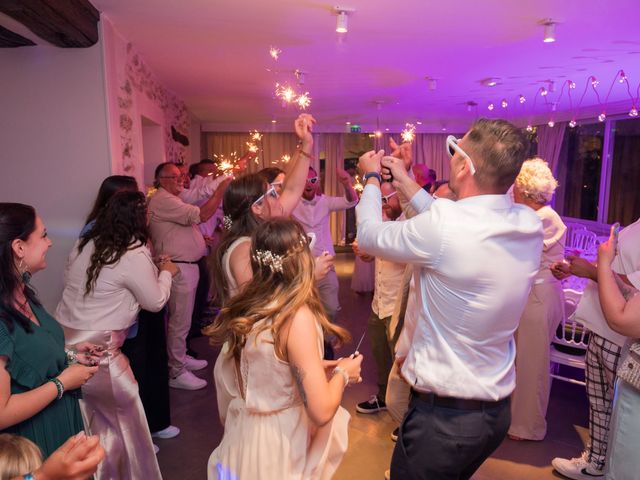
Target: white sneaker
point(168, 432)
point(156, 448)
point(194, 364)
point(577, 468)
point(187, 381)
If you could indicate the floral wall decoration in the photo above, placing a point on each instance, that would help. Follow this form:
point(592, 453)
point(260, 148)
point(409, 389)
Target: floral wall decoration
point(139, 81)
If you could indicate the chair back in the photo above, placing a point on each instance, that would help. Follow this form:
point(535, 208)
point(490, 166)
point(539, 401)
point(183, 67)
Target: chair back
point(570, 332)
point(582, 240)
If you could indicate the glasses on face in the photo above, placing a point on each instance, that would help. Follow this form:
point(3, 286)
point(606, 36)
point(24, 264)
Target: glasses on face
point(271, 191)
point(385, 198)
point(452, 147)
point(313, 180)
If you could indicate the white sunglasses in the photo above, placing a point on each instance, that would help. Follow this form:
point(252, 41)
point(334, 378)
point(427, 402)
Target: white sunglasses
point(452, 145)
point(270, 191)
point(385, 198)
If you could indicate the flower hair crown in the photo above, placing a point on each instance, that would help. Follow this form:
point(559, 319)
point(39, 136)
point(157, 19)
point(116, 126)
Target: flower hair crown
point(266, 258)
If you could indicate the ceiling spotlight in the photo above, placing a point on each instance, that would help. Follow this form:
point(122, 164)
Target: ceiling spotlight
point(490, 106)
point(549, 30)
point(573, 123)
point(348, 123)
point(432, 84)
point(273, 121)
point(551, 123)
point(633, 112)
point(623, 77)
point(602, 117)
point(594, 81)
point(418, 122)
point(504, 103)
point(543, 92)
point(572, 84)
point(521, 99)
point(342, 20)
point(489, 81)
point(529, 128)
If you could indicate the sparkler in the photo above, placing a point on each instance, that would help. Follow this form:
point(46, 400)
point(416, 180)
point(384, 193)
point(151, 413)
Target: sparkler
point(275, 52)
point(409, 133)
point(285, 92)
point(358, 187)
point(227, 165)
point(303, 100)
point(285, 158)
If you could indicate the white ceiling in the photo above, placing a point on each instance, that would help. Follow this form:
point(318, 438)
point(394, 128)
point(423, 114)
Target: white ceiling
point(215, 56)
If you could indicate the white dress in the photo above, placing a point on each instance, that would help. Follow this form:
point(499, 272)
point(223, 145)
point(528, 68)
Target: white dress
point(268, 433)
point(224, 368)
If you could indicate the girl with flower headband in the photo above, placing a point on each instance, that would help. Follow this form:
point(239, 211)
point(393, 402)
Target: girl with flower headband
point(286, 421)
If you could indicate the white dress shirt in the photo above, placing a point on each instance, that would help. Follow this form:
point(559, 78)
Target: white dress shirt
point(314, 217)
point(627, 262)
point(201, 189)
point(119, 292)
point(474, 261)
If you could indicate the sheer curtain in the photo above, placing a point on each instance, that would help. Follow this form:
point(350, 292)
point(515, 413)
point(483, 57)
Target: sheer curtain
point(430, 149)
point(332, 145)
point(550, 144)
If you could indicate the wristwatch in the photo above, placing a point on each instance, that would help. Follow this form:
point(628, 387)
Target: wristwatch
point(369, 175)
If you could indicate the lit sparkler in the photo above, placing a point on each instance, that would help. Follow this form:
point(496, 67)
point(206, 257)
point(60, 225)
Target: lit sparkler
point(357, 186)
point(303, 100)
point(226, 165)
point(285, 158)
point(275, 52)
point(409, 133)
point(286, 93)
point(255, 136)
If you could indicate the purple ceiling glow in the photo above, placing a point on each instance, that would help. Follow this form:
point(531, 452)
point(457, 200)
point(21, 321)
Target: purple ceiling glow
point(425, 61)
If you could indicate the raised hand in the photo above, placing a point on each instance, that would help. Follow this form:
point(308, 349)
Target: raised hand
point(304, 127)
point(403, 152)
point(370, 162)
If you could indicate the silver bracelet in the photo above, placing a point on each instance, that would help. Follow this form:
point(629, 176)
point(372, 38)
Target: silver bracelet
point(72, 356)
point(344, 374)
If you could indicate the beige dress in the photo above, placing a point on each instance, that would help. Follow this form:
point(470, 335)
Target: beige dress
point(268, 434)
point(110, 404)
point(541, 316)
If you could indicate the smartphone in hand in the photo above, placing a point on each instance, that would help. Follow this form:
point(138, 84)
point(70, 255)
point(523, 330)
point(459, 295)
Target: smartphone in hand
point(615, 231)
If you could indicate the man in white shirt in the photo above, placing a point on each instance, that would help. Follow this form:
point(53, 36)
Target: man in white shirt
point(313, 213)
point(388, 280)
point(174, 232)
point(603, 352)
point(474, 262)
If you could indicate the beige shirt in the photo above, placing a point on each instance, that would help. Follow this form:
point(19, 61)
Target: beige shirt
point(119, 293)
point(174, 227)
point(388, 281)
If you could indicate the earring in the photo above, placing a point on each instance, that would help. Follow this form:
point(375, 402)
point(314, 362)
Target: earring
point(24, 272)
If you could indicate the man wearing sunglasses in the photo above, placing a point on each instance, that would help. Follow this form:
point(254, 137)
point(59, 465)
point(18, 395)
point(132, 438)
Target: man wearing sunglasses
point(313, 213)
point(474, 261)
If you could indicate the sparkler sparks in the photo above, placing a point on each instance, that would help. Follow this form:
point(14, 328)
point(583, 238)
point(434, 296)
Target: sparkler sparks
point(275, 52)
point(226, 165)
point(409, 133)
point(285, 158)
point(285, 92)
point(303, 100)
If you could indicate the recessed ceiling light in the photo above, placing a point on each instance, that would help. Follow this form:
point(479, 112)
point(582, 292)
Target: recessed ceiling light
point(273, 121)
point(489, 81)
point(418, 122)
point(348, 123)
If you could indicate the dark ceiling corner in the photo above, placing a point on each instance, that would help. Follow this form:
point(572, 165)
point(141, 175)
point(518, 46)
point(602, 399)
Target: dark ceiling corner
point(8, 39)
point(64, 23)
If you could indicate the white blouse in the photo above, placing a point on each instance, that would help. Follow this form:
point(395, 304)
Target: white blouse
point(120, 291)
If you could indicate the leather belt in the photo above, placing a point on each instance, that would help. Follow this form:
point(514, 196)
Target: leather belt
point(457, 403)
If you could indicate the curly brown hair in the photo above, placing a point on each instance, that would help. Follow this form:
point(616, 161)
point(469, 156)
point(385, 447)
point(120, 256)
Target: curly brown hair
point(119, 227)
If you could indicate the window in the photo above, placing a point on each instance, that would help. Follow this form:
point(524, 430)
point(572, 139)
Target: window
point(624, 186)
point(579, 172)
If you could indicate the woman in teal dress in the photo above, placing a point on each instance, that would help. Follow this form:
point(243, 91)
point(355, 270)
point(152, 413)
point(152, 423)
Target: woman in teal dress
point(38, 391)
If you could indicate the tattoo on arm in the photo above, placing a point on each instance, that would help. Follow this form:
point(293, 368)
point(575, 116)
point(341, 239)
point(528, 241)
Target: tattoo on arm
point(298, 376)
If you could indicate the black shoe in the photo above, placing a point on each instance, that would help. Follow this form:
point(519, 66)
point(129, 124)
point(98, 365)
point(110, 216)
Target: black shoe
point(394, 434)
point(373, 405)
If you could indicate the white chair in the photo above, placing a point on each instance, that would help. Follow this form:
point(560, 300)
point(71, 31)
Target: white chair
point(572, 227)
point(569, 346)
point(581, 240)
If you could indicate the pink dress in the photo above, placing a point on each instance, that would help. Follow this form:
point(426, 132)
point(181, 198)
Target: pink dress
point(268, 433)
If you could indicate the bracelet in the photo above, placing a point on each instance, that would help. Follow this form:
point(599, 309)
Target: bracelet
point(344, 374)
point(72, 356)
point(59, 387)
point(369, 175)
point(310, 157)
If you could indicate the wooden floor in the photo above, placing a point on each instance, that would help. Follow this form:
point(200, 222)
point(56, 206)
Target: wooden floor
point(185, 457)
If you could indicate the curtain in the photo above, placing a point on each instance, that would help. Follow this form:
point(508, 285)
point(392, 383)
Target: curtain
point(431, 149)
point(550, 143)
point(332, 145)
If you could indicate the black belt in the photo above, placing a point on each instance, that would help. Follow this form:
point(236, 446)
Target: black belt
point(457, 403)
point(184, 261)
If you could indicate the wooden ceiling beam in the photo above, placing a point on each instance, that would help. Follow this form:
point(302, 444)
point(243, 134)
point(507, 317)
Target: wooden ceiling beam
point(9, 39)
point(64, 23)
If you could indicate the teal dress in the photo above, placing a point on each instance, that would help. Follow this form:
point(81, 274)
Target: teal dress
point(34, 358)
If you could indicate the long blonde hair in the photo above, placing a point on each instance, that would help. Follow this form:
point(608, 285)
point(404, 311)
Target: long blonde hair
point(282, 283)
point(18, 456)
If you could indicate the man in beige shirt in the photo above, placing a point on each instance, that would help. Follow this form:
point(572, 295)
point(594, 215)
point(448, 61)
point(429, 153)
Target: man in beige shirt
point(174, 232)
